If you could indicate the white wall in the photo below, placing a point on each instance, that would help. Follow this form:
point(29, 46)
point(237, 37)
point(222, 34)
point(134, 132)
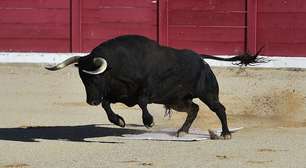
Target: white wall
point(51, 58)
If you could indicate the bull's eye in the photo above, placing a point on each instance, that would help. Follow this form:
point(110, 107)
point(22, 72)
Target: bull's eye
point(76, 65)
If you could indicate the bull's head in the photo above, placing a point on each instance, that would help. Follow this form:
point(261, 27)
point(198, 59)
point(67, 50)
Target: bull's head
point(89, 70)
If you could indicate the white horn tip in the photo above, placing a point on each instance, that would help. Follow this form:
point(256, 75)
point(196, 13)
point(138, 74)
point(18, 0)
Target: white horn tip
point(54, 67)
point(50, 67)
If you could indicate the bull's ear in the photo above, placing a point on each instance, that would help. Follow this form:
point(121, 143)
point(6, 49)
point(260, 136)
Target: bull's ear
point(76, 65)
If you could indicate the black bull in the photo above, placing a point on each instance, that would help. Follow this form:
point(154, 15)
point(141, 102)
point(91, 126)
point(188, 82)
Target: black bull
point(134, 70)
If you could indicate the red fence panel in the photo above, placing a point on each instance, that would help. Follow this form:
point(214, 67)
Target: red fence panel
point(281, 27)
point(104, 19)
point(35, 25)
point(207, 26)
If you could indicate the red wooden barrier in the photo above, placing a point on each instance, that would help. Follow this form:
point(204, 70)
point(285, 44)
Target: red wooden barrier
point(251, 38)
point(34, 25)
point(76, 32)
point(212, 27)
point(207, 26)
point(103, 19)
point(281, 27)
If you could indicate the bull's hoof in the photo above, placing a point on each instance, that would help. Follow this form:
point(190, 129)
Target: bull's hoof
point(214, 136)
point(121, 122)
point(226, 136)
point(181, 133)
point(150, 126)
point(118, 120)
point(148, 121)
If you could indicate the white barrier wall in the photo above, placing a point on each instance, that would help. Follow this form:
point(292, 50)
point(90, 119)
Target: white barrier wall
point(20, 57)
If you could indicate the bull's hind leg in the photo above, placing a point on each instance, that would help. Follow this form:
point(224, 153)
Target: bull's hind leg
point(147, 118)
point(112, 117)
point(192, 112)
point(212, 101)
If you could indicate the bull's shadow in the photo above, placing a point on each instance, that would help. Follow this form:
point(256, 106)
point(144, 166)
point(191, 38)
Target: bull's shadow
point(66, 133)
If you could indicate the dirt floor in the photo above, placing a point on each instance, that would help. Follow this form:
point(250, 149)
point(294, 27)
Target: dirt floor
point(45, 122)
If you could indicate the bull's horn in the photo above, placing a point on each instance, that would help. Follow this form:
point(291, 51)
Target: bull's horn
point(63, 64)
point(101, 62)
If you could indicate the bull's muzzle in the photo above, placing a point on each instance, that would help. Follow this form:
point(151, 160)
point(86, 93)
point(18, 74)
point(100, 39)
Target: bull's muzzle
point(93, 102)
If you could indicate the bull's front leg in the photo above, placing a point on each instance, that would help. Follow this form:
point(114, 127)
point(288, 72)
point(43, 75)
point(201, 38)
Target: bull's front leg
point(147, 118)
point(112, 117)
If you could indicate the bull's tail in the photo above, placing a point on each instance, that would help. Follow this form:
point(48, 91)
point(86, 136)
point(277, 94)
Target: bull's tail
point(244, 59)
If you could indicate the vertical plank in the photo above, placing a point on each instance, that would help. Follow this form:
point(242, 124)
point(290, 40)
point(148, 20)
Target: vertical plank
point(76, 10)
point(163, 22)
point(204, 26)
point(251, 26)
point(106, 19)
point(35, 26)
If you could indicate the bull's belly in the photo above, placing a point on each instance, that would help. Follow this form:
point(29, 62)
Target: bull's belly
point(170, 96)
point(125, 99)
point(156, 95)
point(164, 99)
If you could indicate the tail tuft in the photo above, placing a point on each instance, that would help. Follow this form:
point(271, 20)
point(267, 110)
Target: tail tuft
point(251, 60)
point(243, 59)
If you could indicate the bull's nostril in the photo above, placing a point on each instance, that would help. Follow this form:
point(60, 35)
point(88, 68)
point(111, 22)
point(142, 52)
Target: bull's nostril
point(93, 103)
point(96, 103)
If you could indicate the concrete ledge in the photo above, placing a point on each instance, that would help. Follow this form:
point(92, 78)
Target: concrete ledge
point(27, 57)
point(31, 57)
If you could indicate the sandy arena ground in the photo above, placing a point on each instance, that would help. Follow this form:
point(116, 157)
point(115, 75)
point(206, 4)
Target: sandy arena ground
point(45, 123)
